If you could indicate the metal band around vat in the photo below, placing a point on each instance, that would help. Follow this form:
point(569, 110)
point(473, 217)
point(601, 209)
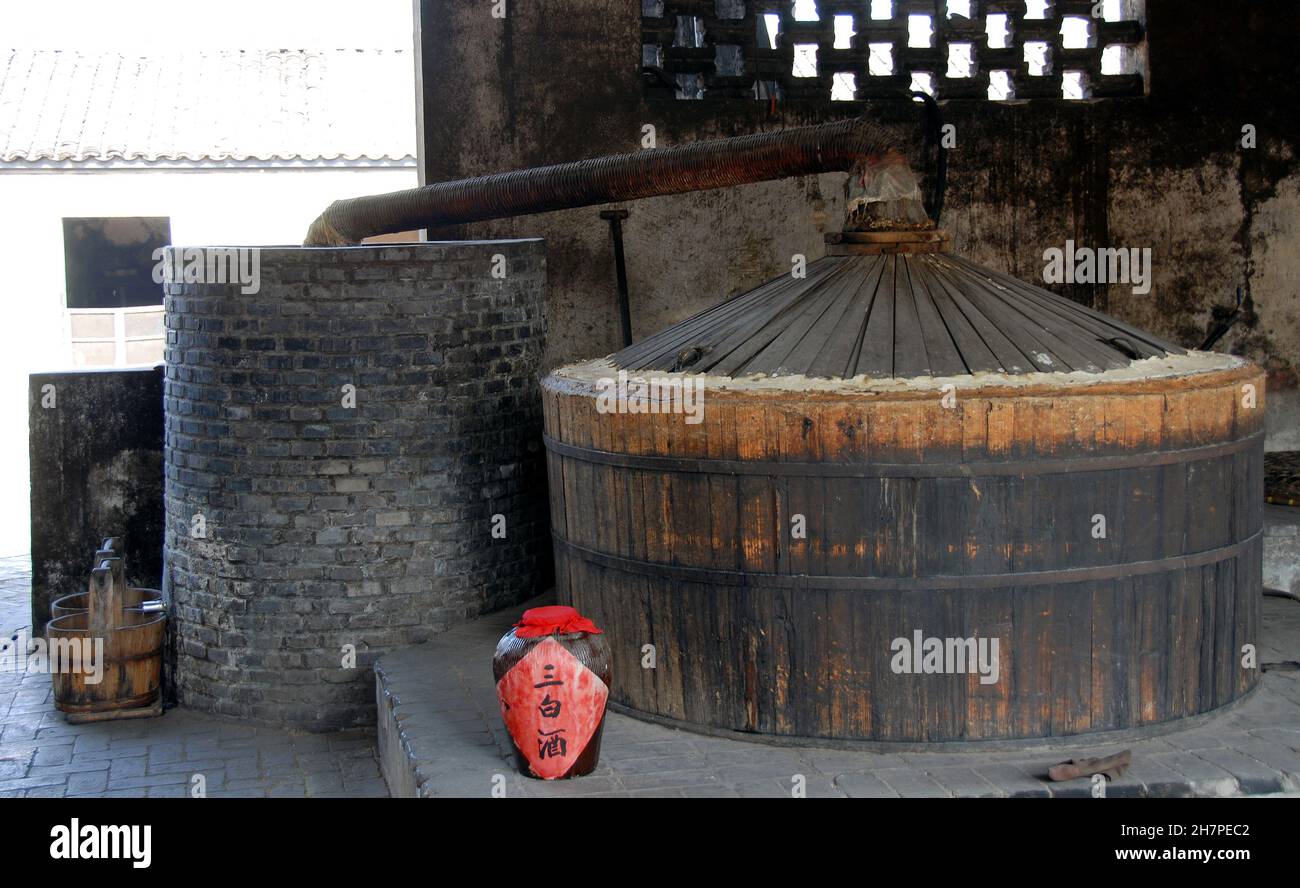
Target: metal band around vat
point(809, 582)
point(1020, 467)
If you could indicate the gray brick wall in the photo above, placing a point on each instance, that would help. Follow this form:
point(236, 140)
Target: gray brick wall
point(328, 525)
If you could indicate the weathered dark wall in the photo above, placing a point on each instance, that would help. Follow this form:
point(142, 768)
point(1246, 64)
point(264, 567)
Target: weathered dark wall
point(96, 442)
point(559, 80)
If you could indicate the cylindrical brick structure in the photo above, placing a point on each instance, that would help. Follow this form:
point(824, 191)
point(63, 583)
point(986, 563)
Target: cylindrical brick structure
point(353, 464)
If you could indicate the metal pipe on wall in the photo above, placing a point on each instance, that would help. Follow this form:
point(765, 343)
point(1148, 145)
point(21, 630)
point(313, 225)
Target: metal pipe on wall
point(615, 219)
point(720, 163)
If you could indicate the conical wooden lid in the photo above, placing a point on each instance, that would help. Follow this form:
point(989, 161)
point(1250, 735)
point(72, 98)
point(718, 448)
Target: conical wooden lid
point(894, 315)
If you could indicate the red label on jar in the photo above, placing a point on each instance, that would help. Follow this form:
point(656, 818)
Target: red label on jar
point(552, 705)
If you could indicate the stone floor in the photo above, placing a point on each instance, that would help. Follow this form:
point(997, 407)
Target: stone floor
point(42, 756)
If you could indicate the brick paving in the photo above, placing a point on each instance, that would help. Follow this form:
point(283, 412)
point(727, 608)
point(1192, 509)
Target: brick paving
point(440, 734)
point(43, 756)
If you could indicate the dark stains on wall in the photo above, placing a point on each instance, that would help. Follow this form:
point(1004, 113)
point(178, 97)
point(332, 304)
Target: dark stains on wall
point(96, 448)
point(559, 80)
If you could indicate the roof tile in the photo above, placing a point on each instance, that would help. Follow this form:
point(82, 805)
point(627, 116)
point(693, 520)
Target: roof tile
point(217, 105)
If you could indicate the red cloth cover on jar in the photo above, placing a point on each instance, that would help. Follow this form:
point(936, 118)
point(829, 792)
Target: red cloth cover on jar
point(554, 620)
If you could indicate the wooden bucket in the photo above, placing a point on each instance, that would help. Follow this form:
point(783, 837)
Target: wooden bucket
point(106, 661)
point(132, 599)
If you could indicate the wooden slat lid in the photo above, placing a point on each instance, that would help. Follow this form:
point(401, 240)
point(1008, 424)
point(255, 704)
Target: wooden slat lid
point(894, 305)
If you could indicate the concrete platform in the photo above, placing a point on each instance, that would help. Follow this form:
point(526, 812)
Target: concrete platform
point(441, 735)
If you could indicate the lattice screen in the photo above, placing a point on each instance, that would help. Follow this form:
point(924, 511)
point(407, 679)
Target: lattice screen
point(864, 49)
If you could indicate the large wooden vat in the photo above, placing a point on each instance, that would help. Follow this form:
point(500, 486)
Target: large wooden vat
point(1103, 526)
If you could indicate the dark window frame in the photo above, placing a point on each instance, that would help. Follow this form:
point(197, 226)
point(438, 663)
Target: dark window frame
point(100, 273)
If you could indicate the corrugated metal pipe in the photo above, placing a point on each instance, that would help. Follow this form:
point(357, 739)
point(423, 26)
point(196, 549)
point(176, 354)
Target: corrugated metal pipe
point(826, 148)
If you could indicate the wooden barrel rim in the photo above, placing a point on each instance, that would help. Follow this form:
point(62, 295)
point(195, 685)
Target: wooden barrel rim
point(735, 390)
point(152, 623)
point(150, 595)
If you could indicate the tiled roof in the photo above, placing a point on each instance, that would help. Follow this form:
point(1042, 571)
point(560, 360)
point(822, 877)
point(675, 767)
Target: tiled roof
point(219, 105)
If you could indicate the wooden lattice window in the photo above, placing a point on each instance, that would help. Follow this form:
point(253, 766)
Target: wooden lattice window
point(865, 49)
